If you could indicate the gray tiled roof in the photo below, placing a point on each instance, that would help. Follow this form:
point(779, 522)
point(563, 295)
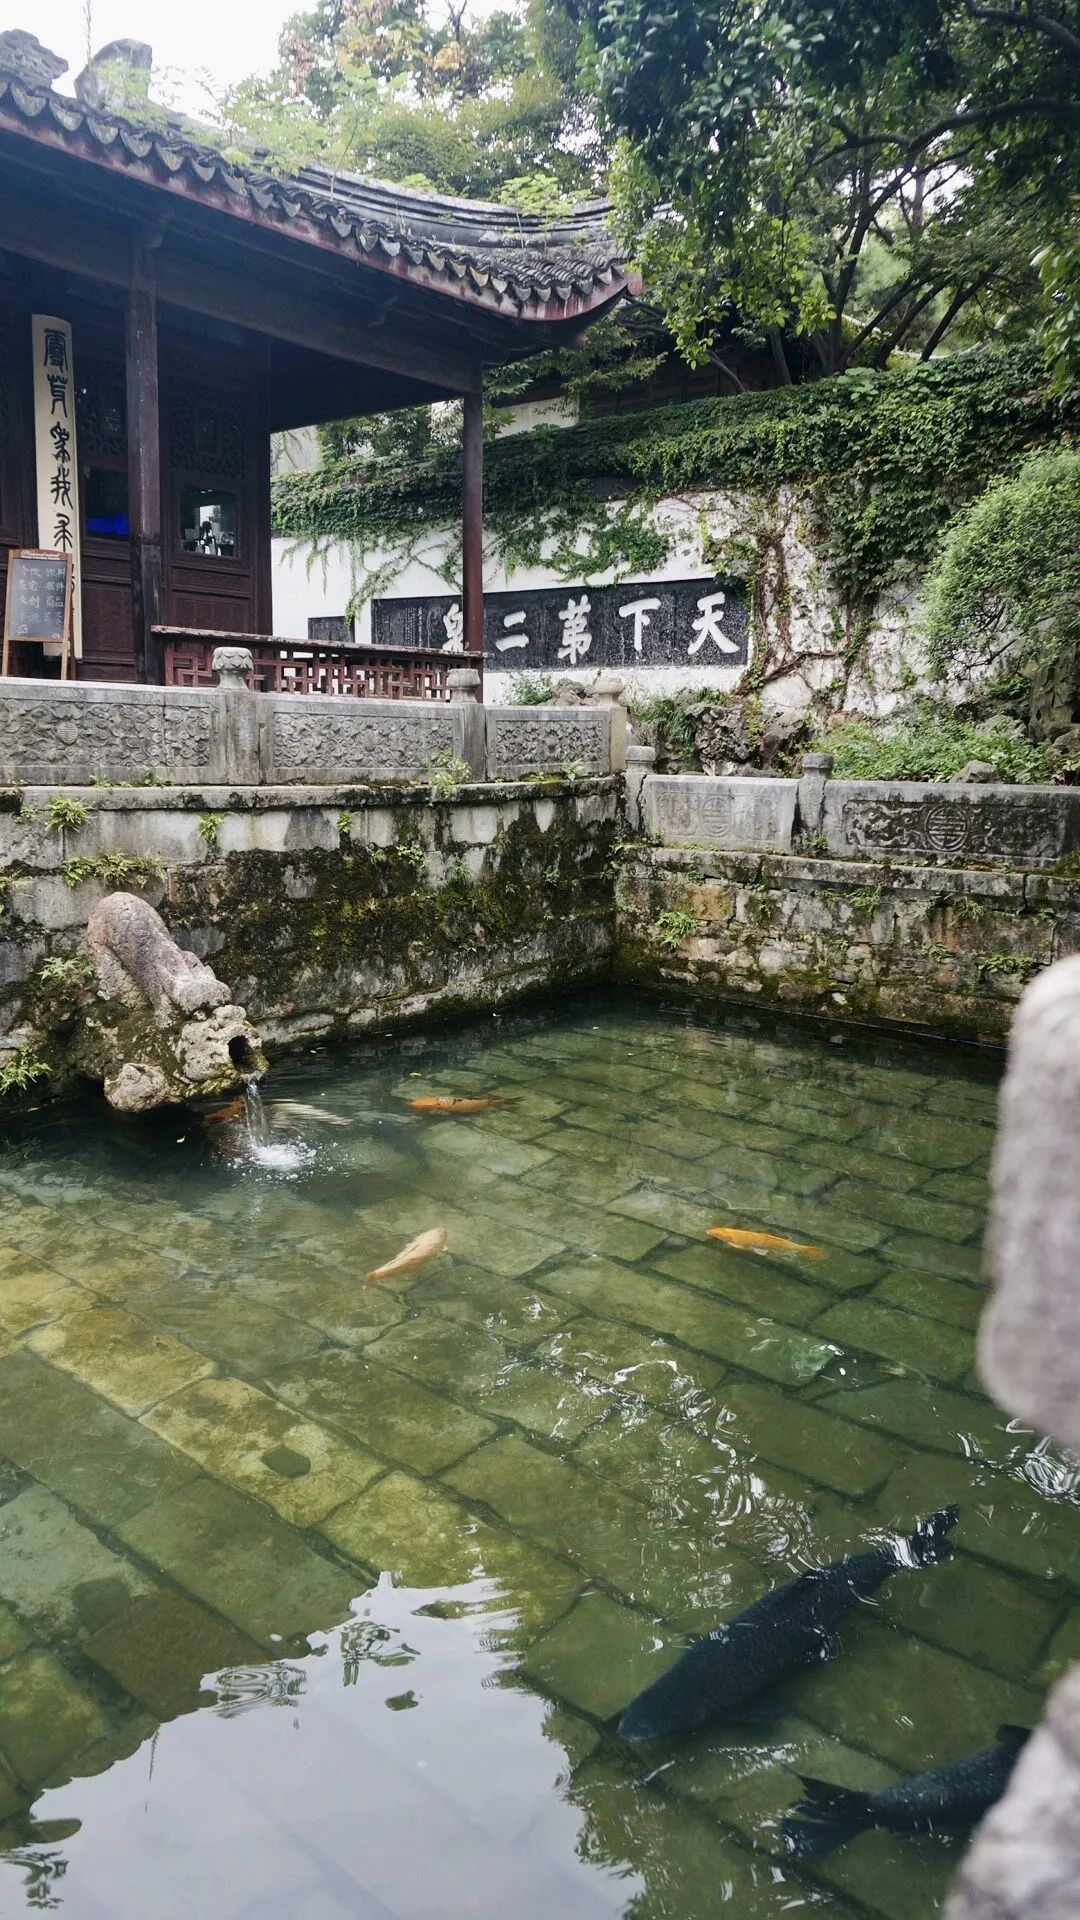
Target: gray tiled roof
point(502, 260)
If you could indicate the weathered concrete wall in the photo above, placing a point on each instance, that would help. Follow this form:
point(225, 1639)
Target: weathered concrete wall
point(325, 909)
point(944, 947)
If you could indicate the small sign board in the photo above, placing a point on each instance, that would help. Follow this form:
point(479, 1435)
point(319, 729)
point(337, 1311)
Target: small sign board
point(38, 603)
point(330, 630)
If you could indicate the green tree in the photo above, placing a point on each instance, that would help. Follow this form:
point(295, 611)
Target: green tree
point(774, 155)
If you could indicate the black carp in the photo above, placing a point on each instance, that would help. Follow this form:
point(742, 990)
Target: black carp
point(955, 1795)
point(793, 1626)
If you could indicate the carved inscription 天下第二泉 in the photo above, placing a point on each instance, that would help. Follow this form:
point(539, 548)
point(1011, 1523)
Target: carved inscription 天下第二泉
point(320, 747)
point(548, 742)
point(956, 826)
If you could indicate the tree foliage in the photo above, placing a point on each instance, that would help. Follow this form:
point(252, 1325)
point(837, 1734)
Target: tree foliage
point(884, 460)
point(487, 108)
point(1006, 581)
point(770, 148)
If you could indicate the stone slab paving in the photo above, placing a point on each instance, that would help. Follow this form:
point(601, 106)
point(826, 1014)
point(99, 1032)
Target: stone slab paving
point(587, 1424)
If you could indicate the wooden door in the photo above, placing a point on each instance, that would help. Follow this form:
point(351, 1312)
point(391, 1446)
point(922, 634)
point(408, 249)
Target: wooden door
point(213, 509)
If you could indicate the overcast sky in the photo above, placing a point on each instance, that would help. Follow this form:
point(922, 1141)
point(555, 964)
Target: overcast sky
point(192, 39)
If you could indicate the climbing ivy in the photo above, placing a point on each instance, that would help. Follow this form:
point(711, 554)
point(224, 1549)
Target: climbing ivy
point(884, 459)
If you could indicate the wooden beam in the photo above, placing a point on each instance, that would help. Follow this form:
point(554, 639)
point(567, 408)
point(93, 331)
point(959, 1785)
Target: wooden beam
point(472, 524)
point(65, 236)
point(144, 465)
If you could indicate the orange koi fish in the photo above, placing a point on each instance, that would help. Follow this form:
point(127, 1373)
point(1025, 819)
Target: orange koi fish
point(427, 1246)
point(454, 1103)
point(754, 1242)
point(223, 1116)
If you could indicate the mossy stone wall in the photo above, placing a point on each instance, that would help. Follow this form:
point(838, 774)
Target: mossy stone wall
point(945, 949)
point(325, 910)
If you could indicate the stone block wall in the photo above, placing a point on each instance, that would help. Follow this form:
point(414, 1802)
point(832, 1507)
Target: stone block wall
point(943, 947)
point(328, 909)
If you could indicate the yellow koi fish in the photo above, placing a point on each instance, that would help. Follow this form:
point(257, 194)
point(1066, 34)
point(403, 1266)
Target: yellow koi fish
point(427, 1246)
point(454, 1103)
point(754, 1242)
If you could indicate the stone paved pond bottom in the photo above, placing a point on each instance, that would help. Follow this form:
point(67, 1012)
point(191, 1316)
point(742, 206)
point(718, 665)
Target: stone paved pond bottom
point(318, 1599)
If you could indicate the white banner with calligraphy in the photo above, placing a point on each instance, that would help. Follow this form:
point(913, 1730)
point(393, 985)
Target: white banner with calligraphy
point(57, 459)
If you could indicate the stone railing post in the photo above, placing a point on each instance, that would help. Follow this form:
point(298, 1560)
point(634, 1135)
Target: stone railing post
point(1024, 1863)
point(610, 692)
point(464, 687)
point(237, 739)
point(640, 762)
point(814, 771)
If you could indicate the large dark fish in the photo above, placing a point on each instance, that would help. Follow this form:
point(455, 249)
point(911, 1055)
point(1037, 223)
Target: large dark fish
point(955, 1795)
point(792, 1626)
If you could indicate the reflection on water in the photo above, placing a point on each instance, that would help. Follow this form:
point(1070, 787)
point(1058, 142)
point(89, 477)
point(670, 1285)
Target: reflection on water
point(322, 1599)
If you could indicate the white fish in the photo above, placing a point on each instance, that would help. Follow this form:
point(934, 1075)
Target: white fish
point(285, 1110)
point(427, 1246)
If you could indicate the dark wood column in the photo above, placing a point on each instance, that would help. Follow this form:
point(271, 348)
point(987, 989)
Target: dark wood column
point(472, 525)
point(144, 463)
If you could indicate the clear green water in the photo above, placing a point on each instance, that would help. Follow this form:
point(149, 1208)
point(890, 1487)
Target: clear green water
point(318, 1599)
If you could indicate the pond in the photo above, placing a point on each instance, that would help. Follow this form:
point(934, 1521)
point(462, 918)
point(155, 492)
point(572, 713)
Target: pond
point(321, 1598)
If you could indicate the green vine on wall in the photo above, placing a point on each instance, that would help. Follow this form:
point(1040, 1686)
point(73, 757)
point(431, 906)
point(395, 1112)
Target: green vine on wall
point(884, 459)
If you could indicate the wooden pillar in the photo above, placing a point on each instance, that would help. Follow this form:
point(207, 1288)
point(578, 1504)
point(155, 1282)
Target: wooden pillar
point(472, 525)
point(144, 465)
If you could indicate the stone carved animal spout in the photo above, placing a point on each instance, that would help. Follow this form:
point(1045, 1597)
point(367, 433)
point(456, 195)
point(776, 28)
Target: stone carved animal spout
point(164, 1028)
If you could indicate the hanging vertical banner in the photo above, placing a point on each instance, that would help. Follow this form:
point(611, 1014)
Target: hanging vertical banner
point(57, 462)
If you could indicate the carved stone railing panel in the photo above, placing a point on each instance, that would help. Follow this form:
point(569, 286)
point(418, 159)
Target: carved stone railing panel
point(319, 741)
point(54, 734)
point(524, 740)
point(1019, 826)
point(866, 819)
point(732, 815)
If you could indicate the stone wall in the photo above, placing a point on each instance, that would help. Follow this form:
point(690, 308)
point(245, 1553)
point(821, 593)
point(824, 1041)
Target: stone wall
point(325, 909)
point(944, 947)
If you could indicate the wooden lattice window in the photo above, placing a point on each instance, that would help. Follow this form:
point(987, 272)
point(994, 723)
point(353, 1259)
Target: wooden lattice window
point(207, 435)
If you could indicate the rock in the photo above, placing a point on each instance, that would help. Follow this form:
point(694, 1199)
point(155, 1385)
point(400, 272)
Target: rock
point(723, 739)
point(784, 731)
point(975, 773)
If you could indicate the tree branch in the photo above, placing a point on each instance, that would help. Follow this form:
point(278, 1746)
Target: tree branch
point(956, 305)
point(1029, 23)
point(964, 117)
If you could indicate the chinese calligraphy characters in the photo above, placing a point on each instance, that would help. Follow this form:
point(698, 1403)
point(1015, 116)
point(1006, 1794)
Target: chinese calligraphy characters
point(454, 627)
point(576, 639)
point(55, 442)
point(707, 626)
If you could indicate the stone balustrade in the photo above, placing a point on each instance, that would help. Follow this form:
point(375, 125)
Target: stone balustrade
point(864, 819)
point(73, 734)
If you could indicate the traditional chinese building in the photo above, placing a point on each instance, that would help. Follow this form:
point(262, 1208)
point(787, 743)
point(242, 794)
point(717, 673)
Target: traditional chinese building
point(163, 310)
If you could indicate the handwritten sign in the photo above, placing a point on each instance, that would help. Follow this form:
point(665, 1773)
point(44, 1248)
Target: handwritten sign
point(647, 623)
point(38, 604)
point(57, 457)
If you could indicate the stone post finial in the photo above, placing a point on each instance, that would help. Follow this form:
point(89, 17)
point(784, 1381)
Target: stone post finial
point(232, 666)
point(817, 763)
point(464, 683)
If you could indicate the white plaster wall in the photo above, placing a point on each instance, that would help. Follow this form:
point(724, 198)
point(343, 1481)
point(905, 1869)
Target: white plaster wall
point(806, 637)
